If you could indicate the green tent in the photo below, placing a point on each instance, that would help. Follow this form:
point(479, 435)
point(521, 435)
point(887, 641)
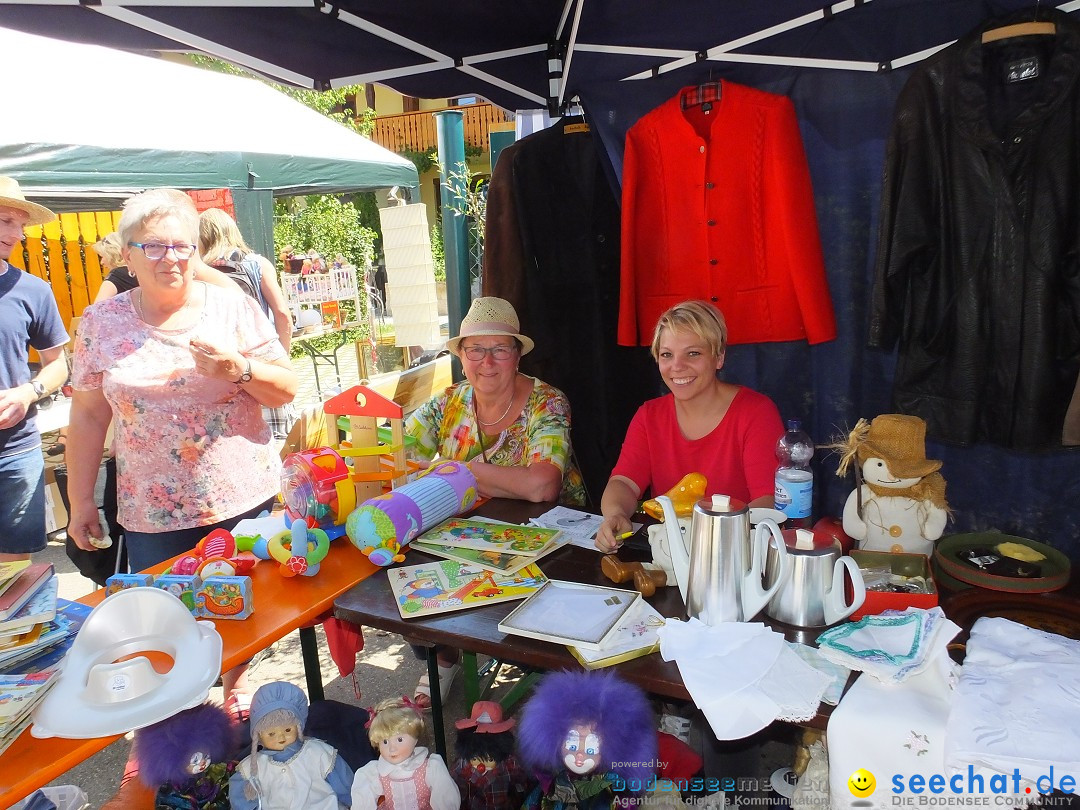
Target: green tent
point(168, 124)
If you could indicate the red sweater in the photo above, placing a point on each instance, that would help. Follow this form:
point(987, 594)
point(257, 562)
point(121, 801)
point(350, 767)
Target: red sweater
point(738, 458)
point(718, 206)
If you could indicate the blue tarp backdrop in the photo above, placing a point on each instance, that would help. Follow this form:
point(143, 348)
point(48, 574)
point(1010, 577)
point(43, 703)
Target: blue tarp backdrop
point(843, 68)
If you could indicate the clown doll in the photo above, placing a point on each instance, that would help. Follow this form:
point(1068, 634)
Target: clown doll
point(486, 771)
point(187, 758)
point(590, 739)
point(405, 776)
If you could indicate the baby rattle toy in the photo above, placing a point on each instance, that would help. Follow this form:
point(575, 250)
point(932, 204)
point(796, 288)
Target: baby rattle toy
point(898, 503)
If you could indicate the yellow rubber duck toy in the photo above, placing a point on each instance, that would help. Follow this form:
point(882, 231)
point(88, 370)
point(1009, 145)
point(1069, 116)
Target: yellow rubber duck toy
point(689, 490)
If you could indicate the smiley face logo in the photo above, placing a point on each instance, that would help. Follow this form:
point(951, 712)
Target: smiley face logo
point(861, 783)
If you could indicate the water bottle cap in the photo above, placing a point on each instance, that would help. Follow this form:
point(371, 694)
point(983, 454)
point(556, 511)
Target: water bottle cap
point(794, 424)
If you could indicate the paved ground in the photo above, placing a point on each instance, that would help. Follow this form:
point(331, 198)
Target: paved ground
point(386, 667)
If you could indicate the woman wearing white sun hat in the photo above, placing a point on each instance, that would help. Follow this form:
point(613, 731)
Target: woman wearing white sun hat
point(513, 430)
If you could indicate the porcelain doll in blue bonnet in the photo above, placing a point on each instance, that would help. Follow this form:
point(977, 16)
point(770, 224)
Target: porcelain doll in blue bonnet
point(285, 768)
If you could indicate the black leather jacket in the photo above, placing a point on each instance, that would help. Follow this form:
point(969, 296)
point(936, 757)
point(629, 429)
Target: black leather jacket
point(978, 266)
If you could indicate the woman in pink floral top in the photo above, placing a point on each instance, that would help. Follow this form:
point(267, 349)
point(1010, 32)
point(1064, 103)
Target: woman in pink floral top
point(513, 430)
point(182, 368)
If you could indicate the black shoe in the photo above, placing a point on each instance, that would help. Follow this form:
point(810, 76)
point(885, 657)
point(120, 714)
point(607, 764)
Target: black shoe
point(57, 449)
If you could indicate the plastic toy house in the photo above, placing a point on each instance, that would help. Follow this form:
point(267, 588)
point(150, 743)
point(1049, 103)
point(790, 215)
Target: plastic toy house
point(365, 410)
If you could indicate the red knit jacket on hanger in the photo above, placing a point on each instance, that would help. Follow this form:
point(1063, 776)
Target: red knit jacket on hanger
point(717, 205)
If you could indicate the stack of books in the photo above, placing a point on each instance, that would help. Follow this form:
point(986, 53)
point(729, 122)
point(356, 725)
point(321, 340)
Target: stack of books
point(504, 548)
point(27, 600)
point(36, 631)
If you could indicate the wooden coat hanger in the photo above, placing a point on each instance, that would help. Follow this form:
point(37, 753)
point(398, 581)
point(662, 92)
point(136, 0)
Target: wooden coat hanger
point(1033, 27)
point(1024, 29)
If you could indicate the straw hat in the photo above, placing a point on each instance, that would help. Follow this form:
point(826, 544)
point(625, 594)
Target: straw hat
point(487, 718)
point(12, 197)
point(490, 316)
point(900, 441)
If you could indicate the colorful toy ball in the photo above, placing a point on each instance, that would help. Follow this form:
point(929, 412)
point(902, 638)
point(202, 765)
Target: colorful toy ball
point(315, 487)
point(381, 526)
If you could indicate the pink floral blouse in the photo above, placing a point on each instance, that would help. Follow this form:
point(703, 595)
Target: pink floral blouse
point(190, 450)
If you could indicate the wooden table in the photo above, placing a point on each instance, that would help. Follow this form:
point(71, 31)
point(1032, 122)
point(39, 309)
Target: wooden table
point(281, 606)
point(476, 630)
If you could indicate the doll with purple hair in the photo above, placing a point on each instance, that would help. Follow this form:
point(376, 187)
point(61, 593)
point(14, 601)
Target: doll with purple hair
point(187, 758)
point(589, 738)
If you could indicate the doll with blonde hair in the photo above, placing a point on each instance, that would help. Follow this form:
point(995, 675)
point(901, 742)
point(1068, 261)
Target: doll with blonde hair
point(406, 776)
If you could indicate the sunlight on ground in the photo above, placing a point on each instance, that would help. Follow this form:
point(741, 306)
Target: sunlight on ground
point(388, 659)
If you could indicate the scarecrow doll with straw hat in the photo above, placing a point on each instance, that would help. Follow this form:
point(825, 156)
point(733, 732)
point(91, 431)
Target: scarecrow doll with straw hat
point(898, 504)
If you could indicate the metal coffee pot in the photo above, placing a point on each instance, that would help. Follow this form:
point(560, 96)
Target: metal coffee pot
point(814, 593)
point(720, 574)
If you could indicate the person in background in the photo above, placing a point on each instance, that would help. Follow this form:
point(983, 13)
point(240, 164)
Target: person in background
point(181, 367)
point(220, 240)
point(120, 279)
point(513, 430)
point(726, 432)
point(28, 317)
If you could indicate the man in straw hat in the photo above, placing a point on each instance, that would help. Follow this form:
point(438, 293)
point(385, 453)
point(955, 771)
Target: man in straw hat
point(28, 317)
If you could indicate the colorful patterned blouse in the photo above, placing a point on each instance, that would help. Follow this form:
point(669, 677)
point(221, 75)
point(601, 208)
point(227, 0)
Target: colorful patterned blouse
point(190, 450)
point(445, 426)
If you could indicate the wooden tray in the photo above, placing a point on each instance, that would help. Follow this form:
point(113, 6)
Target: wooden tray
point(1052, 612)
point(1055, 567)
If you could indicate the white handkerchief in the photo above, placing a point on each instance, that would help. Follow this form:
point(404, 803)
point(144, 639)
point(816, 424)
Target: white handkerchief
point(742, 676)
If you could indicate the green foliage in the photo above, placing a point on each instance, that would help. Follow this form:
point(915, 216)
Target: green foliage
point(423, 161)
point(367, 208)
point(326, 224)
point(438, 252)
point(325, 344)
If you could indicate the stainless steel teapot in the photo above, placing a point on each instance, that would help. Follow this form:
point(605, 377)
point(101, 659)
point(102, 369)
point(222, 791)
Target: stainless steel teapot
point(813, 595)
point(720, 575)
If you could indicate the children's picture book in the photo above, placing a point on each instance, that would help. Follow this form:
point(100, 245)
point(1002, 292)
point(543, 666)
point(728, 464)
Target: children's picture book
point(634, 637)
point(13, 733)
point(41, 607)
point(445, 585)
point(9, 572)
point(492, 560)
point(571, 613)
point(56, 638)
point(26, 584)
point(20, 693)
point(504, 538)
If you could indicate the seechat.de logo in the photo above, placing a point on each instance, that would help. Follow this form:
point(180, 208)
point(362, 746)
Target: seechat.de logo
point(861, 783)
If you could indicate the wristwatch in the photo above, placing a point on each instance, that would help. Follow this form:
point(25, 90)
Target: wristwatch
point(246, 376)
point(39, 388)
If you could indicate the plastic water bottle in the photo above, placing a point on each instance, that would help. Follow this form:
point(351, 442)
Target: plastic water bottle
point(794, 483)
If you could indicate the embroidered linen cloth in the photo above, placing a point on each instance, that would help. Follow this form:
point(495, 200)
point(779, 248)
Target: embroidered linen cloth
point(1017, 705)
point(892, 646)
point(893, 730)
point(741, 675)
